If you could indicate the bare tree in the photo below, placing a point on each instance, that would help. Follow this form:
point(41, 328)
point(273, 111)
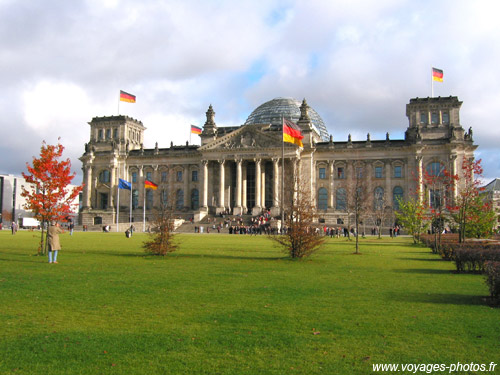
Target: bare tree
point(357, 200)
point(379, 210)
point(161, 238)
point(301, 237)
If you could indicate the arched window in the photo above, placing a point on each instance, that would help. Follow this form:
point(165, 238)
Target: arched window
point(149, 199)
point(195, 199)
point(179, 199)
point(322, 199)
point(435, 169)
point(341, 199)
point(104, 176)
point(397, 195)
point(378, 198)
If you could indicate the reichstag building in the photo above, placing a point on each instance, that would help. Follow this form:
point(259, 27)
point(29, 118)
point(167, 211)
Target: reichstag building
point(238, 169)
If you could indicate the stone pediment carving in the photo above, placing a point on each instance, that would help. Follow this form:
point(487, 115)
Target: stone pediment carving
point(245, 138)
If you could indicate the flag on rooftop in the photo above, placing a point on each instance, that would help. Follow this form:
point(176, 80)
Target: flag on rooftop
point(195, 129)
point(126, 97)
point(437, 75)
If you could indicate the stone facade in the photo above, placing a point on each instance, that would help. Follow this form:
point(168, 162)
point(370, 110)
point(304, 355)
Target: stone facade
point(240, 169)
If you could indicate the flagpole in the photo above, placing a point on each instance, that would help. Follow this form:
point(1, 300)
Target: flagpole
point(282, 173)
point(131, 193)
point(117, 204)
point(118, 105)
point(432, 83)
point(144, 211)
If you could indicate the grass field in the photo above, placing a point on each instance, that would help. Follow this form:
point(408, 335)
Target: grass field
point(235, 305)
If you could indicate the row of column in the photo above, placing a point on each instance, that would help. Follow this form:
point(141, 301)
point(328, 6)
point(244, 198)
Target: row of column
point(240, 192)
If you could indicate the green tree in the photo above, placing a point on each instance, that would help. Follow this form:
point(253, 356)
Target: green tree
point(412, 216)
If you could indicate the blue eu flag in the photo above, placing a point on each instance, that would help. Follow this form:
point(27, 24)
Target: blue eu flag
point(122, 184)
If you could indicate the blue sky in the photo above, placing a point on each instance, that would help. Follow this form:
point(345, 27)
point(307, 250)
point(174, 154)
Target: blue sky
point(357, 63)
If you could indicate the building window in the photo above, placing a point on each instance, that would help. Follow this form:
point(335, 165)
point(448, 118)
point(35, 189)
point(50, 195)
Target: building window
point(195, 199)
point(100, 134)
point(436, 198)
point(322, 199)
point(115, 133)
point(108, 133)
point(135, 199)
point(134, 176)
point(340, 172)
point(424, 118)
point(322, 173)
point(446, 117)
point(434, 118)
point(164, 175)
point(341, 201)
point(164, 197)
point(398, 171)
point(149, 199)
point(378, 172)
point(359, 172)
point(435, 169)
point(194, 176)
point(378, 198)
point(149, 176)
point(397, 196)
point(104, 200)
point(179, 176)
point(179, 201)
point(104, 176)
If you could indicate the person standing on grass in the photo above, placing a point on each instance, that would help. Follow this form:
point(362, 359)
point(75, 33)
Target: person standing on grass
point(53, 241)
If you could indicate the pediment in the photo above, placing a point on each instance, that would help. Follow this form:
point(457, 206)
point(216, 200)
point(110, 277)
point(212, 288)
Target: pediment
point(248, 137)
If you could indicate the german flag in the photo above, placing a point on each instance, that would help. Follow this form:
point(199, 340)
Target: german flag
point(195, 129)
point(150, 185)
point(437, 75)
point(126, 97)
point(292, 133)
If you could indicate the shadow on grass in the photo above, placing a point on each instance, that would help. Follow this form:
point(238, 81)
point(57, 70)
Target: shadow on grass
point(425, 259)
point(193, 256)
point(424, 271)
point(440, 298)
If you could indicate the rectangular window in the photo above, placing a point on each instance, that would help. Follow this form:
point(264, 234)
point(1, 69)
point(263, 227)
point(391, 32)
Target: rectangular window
point(179, 176)
point(378, 172)
point(134, 176)
point(322, 173)
point(194, 176)
point(100, 134)
point(115, 133)
point(398, 171)
point(424, 118)
point(340, 172)
point(359, 172)
point(434, 118)
point(164, 176)
point(446, 118)
point(149, 176)
point(108, 133)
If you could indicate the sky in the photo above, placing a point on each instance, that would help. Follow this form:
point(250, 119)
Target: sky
point(358, 63)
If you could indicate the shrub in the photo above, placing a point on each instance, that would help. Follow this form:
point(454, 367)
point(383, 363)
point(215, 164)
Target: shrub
point(469, 259)
point(492, 273)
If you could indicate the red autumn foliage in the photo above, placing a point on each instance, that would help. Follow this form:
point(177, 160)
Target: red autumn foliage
point(48, 195)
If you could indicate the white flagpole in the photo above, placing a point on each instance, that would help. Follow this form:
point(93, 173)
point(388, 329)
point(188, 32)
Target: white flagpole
point(432, 83)
point(144, 212)
point(131, 192)
point(282, 173)
point(118, 104)
point(117, 204)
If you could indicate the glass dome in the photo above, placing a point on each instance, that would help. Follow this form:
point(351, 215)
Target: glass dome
point(273, 111)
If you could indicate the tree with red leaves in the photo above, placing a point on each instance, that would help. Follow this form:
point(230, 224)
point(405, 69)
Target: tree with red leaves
point(47, 194)
point(472, 215)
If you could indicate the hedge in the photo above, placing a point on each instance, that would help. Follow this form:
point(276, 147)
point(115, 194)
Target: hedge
point(492, 273)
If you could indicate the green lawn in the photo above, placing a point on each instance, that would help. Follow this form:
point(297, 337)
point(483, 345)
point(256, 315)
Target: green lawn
point(233, 305)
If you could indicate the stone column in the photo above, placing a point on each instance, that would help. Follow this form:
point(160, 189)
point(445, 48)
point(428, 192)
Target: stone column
point(332, 187)
point(388, 176)
point(263, 185)
point(87, 191)
point(221, 186)
point(257, 208)
point(420, 182)
point(238, 207)
point(187, 195)
point(453, 159)
point(204, 164)
point(244, 190)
